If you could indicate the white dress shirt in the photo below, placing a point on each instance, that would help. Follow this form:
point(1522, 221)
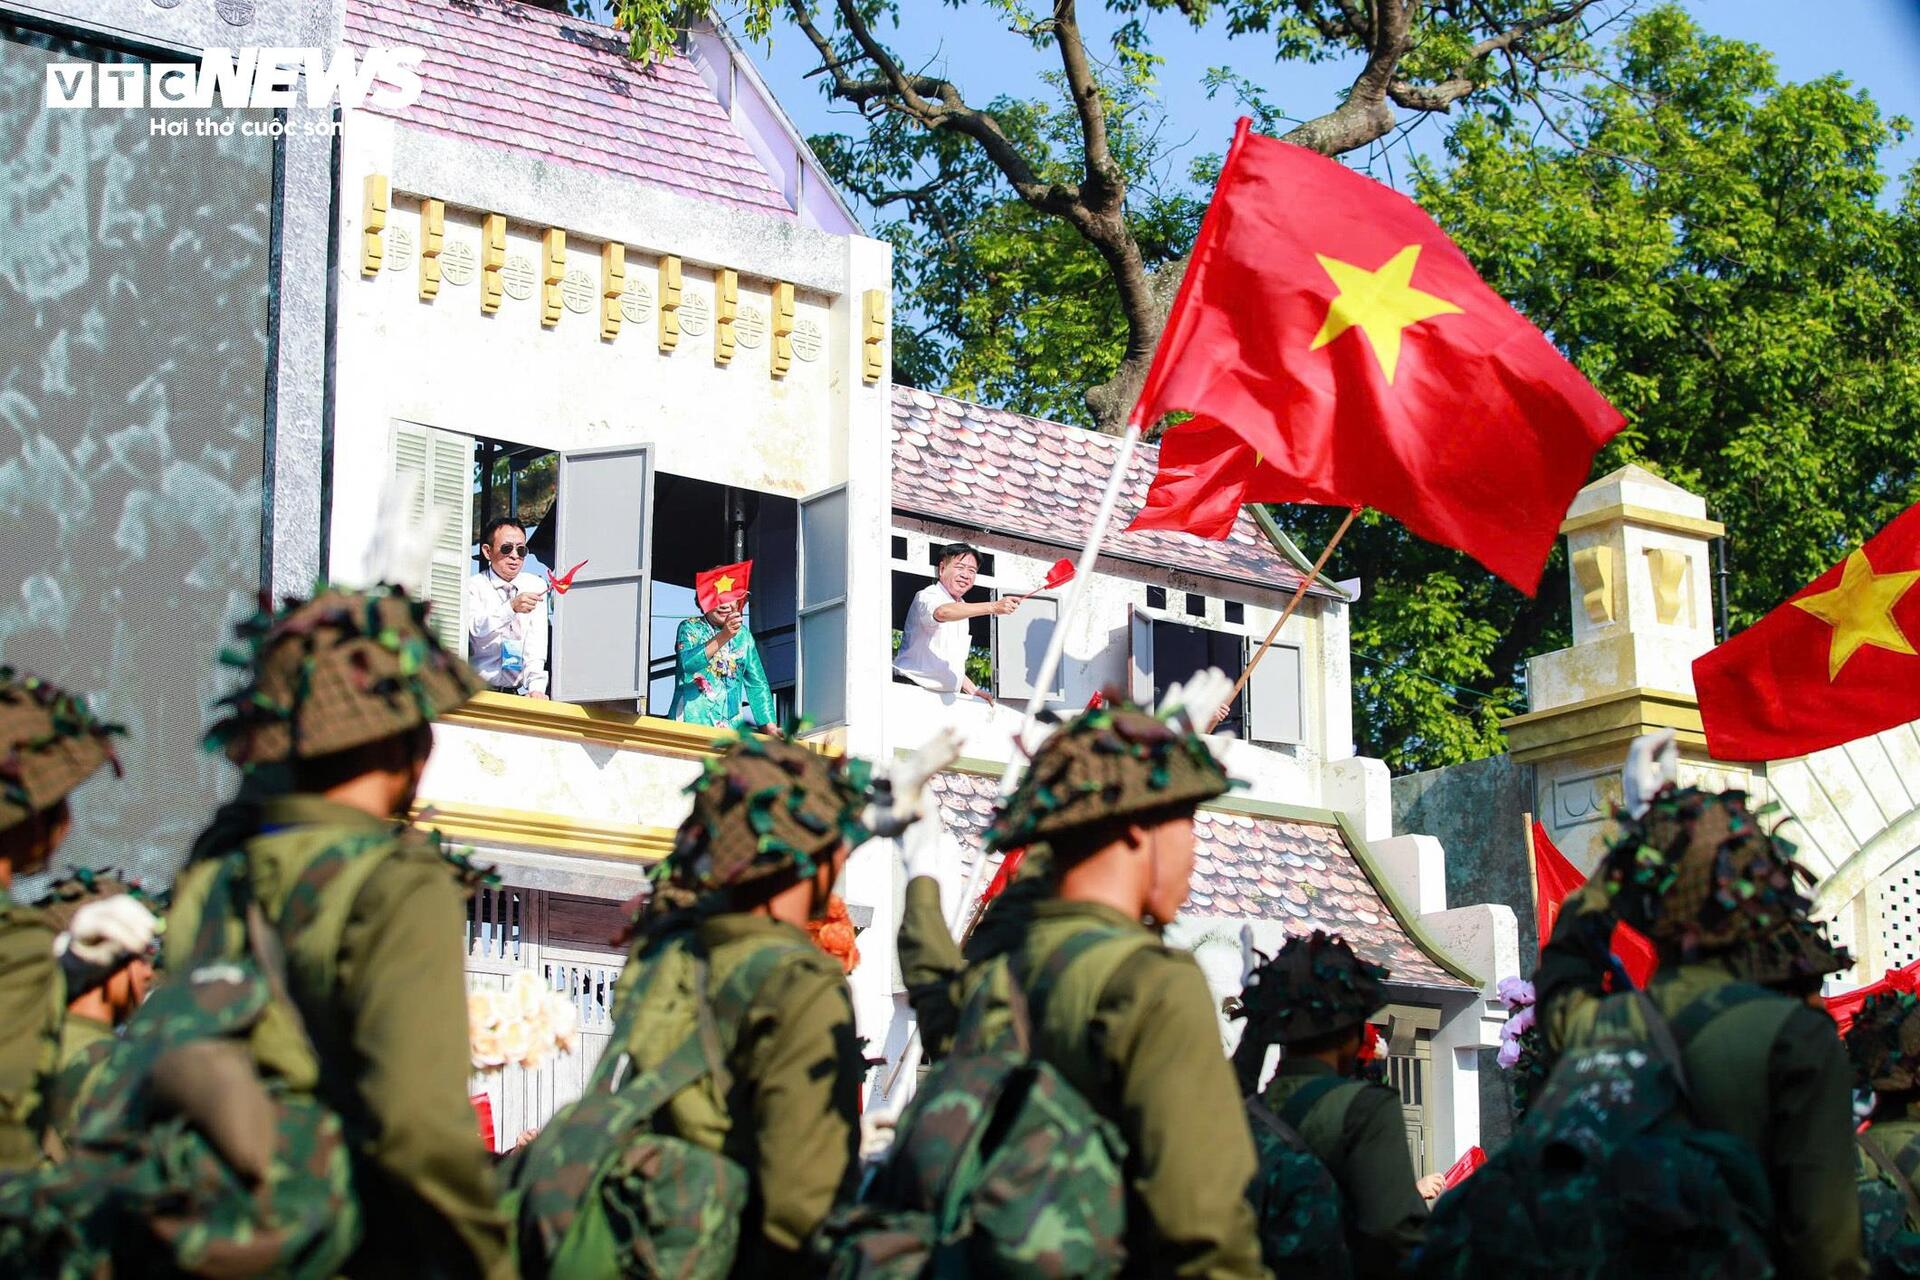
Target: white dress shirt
point(933, 654)
point(491, 620)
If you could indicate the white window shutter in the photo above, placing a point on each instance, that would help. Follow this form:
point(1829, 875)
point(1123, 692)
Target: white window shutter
point(824, 548)
point(441, 464)
point(603, 514)
point(1139, 657)
point(1020, 642)
point(1274, 697)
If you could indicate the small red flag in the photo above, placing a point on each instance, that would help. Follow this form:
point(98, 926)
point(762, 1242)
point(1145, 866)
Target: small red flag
point(1554, 879)
point(724, 585)
point(1837, 661)
point(1330, 324)
point(1458, 1171)
point(564, 582)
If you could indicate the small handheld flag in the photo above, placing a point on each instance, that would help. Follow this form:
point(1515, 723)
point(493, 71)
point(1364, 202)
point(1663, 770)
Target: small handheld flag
point(1058, 576)
point(726, 584)
point(564, 583)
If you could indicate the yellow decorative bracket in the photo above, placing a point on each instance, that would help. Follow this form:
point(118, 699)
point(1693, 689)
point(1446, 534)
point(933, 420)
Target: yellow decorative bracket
point(493, 256)
point(782, 328)
point(1669, 571)
point(553, 269)
point(613, 281)
point(726, 309)
point(669, 302)
point(373, 221)
point(873, 335)
point(433, 238)
point(1593, 570)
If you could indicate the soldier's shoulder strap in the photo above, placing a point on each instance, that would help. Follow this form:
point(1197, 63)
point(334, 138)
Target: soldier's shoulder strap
point(1264, 1117)
point(314, 914)
point(1067, 984)
point(1305, 1100)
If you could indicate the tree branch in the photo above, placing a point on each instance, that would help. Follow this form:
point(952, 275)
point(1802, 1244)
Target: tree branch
point(1105, 186)
point(1511, 41)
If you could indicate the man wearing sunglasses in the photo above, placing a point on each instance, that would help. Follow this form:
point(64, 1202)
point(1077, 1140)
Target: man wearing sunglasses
point(507, 614)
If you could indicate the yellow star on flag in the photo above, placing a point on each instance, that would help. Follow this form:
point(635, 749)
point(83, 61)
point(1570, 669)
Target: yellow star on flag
point(1381, 303)
point(723, 583)
point(1860, 611)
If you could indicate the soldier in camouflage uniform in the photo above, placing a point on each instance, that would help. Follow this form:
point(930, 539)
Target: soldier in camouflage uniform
point(1107, 808)
point(1719, 897)
point(49, 744)
point(340, 692)
point(92, 1016)
point(1315, 999)
point(1884, 1044)
point(771, 827)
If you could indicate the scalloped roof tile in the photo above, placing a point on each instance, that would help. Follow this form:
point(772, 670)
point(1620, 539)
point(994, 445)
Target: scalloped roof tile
point(1247, 867)
point(531, 80)
point(1041, 480)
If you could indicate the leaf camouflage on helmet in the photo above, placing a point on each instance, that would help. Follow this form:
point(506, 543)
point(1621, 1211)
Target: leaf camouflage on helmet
point(1110, 762)
point(49, 744)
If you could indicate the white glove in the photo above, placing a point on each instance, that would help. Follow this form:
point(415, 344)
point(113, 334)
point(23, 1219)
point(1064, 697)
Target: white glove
point(876, 1133)
point(899, 802)
point(926, 849)
point(1198, 699)
point(1653, 761)
point(1249, 957)
point(106, 932)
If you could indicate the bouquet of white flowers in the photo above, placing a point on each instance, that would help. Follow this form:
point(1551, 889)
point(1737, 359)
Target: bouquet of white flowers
point(521, 1024)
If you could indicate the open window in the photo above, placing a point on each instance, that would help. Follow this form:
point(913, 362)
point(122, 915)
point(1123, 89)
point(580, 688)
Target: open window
point(713, 525)
point(912, 576)
point(1163, 653)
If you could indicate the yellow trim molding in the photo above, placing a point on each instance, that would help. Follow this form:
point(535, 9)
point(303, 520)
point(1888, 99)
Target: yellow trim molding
point(1645, 516)
point(571, 722)
point(510, 713)
point(1615, 719)
point(478, 824)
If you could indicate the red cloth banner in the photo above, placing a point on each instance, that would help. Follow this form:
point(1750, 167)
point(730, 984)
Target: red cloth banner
point(1554, 879)
point(1844, 1007)
point(1332, 326)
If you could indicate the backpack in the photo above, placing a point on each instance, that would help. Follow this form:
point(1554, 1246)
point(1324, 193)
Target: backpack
point(1301, 1213)
point(1000, 1166)
point(1608, 1175)
point(599, 1193)
point(202, 1149)
point(1889, 1206)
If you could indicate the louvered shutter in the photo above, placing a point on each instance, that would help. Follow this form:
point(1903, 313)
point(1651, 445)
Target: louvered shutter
point(442, 463)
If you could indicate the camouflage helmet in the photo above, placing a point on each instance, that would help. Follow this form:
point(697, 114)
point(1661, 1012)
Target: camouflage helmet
point(1697, 873)
point(1111, 761)
point(1316, 986)
point(49, 744)
point(765, 809)
point(339, 671)
point(82, 885)
point(1795, 957)
point(1884, 1042)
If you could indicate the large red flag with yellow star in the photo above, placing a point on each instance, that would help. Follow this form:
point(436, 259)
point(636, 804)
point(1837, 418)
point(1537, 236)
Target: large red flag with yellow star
point(1329, 324)
point(1838, 661)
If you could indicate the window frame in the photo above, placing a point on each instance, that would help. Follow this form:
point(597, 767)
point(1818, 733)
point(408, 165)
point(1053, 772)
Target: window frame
point(804, 610)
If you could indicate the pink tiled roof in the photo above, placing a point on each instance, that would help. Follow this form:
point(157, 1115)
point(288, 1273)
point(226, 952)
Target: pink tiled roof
point(531, 80)
point(1299, 873)
point(966, 464)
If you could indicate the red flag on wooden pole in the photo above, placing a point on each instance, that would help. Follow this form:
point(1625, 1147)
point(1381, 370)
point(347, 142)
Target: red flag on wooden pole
point(1554, 879)
point(1327, 322)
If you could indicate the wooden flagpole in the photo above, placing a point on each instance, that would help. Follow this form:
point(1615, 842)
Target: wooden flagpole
point(1299, 594)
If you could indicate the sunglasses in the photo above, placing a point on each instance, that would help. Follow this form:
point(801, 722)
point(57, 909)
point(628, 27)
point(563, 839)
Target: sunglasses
point(511, 549)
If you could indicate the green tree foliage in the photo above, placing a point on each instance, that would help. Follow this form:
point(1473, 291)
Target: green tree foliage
point(1712, 248)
